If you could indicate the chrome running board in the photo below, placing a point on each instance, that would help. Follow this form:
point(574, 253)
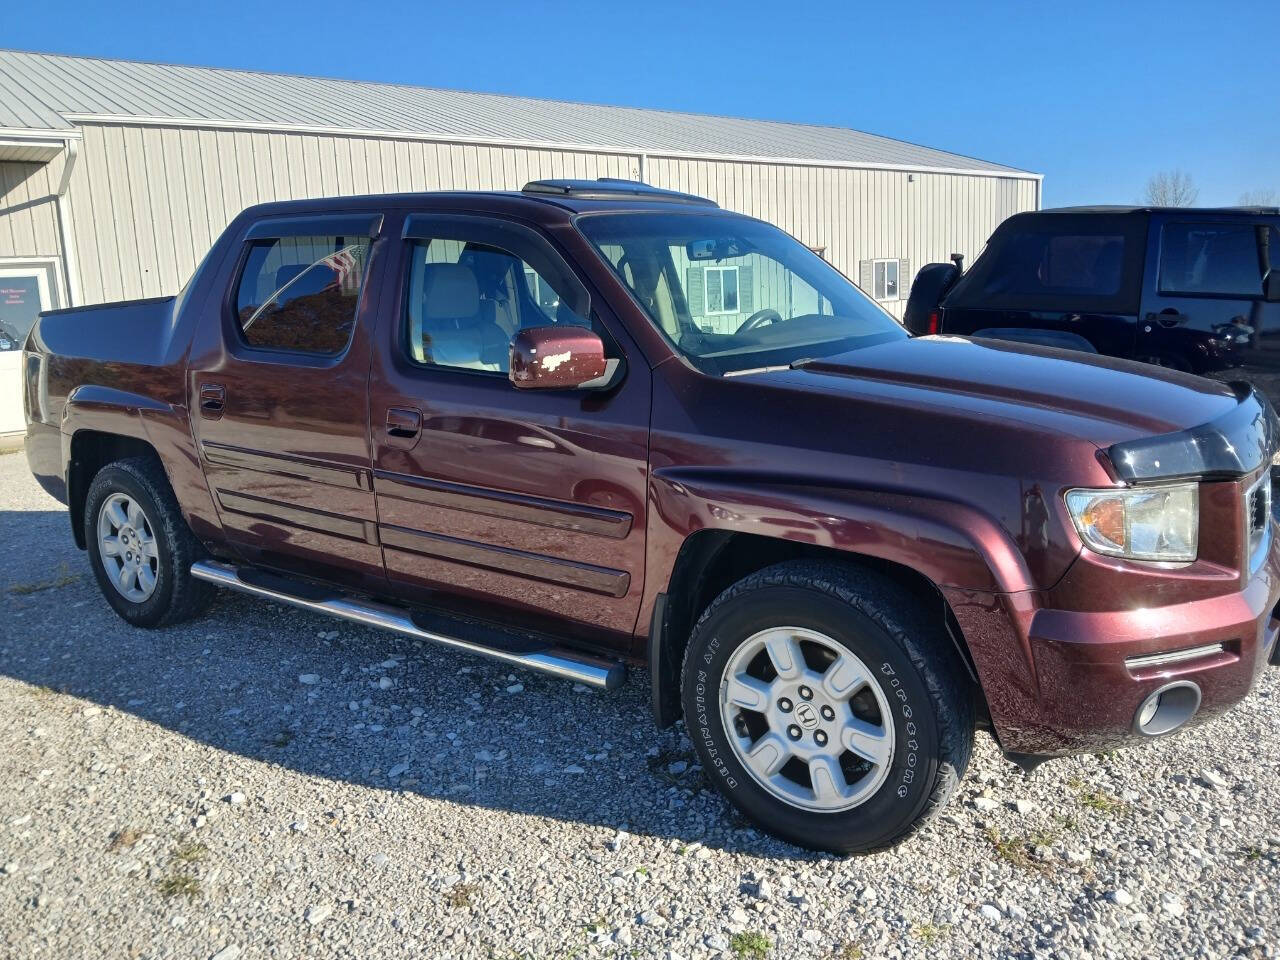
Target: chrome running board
point(505, 646)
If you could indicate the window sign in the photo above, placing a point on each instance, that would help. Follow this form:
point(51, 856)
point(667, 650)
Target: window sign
point(19, 305)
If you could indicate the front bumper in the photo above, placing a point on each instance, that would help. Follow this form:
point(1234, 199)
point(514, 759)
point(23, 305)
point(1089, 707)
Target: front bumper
point(1060, 681)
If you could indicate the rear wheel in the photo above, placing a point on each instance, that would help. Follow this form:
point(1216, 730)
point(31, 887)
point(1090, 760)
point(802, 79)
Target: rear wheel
point(140, 547)
point(826, 707)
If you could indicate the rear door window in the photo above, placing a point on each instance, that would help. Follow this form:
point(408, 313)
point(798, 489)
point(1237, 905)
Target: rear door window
point(299, 293)
point(1210, 259)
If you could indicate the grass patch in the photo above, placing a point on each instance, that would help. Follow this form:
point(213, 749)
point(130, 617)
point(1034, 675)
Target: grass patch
point(282, 739)
point(64, 578)
point(1100, 801)
point(1257, 854)
point(461, 896)
point(749, 945)
point(123, 840)
point(178, 885)
point(931, 934)
point(191, 853)
point(1018, 850)
point(848, 951)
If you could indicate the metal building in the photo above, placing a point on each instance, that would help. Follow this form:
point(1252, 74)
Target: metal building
point(116, 176)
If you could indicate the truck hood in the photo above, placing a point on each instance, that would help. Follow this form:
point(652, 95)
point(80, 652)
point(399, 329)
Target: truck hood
point(1117, 405)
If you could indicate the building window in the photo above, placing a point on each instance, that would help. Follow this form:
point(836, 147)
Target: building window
point(720, 291)
point(886, 279)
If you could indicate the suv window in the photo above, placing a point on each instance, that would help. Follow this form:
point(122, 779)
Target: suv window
point(1210, 258)
point(466, 300)
point(300, 293)
point(1036, 263)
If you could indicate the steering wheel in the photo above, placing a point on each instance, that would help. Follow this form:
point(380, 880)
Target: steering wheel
point(759, 319)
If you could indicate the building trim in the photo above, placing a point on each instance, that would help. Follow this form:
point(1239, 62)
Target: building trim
point(457, 139)
point(66, 224)
point(48, 134)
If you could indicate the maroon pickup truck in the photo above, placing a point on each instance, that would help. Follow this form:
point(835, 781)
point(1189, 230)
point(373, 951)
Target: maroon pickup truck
point(596, 423)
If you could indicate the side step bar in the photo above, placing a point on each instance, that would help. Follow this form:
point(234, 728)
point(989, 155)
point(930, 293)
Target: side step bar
point(598, 672)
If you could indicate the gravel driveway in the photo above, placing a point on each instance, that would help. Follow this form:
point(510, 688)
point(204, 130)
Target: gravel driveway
point(266, 783)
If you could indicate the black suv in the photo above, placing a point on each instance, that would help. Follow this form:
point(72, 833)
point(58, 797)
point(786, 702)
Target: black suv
point(1192, 289)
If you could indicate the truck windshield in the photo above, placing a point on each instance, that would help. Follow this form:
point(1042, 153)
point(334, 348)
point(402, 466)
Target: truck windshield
point(734, 294)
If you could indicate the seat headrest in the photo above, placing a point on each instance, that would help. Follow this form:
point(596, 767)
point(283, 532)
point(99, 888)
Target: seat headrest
point(449, 291)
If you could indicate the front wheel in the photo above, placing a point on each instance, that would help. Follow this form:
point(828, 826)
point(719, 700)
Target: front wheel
point(140, 547)
point(826, 706)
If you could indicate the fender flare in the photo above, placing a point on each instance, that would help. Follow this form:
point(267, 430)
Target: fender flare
point(160, 425)
point(954, 546)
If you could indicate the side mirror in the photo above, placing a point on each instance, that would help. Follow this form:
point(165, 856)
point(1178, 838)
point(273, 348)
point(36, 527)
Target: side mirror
point(556, 358)
point(1271, 286)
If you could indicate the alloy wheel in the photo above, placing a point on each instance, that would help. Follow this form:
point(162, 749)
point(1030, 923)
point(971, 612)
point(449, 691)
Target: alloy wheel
point(807, 719)
point(127, 545)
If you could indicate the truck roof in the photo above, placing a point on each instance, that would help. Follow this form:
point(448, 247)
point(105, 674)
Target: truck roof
point(570, 196)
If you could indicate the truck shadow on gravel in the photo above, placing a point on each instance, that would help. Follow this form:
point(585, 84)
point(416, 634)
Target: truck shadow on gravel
point(358, 707)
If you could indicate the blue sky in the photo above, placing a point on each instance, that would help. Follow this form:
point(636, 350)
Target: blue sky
point(1096, 96)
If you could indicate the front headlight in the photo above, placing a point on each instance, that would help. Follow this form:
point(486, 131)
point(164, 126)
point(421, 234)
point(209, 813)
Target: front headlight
point(1143, 523)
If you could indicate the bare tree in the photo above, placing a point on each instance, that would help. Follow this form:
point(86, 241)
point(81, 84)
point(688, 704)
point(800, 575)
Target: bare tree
point(1170, 188)
point(1260, 198)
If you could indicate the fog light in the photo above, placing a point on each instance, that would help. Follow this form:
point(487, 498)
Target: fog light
point(1167, 709)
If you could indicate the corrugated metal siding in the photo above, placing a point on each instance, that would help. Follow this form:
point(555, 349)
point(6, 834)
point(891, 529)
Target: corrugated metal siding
point(38, 91)
point(148, 202)
point(28, 214)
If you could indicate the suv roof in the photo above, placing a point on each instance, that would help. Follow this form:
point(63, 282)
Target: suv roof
point(1122, 209)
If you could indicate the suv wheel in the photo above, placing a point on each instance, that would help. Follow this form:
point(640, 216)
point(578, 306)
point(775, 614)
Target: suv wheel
point(826, 707)
point(140, 547)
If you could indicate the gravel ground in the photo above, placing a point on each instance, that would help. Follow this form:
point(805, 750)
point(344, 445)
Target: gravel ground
point(265, 783)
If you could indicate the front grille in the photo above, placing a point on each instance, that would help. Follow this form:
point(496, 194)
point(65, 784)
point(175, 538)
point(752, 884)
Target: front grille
point(1257, 504)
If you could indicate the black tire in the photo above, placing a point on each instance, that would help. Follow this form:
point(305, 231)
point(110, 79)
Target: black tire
point(177, 595)
point(910, 656)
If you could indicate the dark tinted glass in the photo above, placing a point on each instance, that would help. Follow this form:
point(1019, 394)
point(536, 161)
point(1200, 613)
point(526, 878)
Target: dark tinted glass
point(300, 293)
point(1210, 258)
point(1035, 263)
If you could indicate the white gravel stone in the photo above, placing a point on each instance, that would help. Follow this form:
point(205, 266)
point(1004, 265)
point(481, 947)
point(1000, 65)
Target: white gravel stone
point(229, 952)
point(1120, 897)
point(516, 688)
point(310, 679)
point(317, 913)
point(235, 799)
point(986, 804)
point(990, 912)
point(1214, 779)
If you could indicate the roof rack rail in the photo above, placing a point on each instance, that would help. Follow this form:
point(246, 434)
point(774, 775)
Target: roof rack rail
point(612, 188)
